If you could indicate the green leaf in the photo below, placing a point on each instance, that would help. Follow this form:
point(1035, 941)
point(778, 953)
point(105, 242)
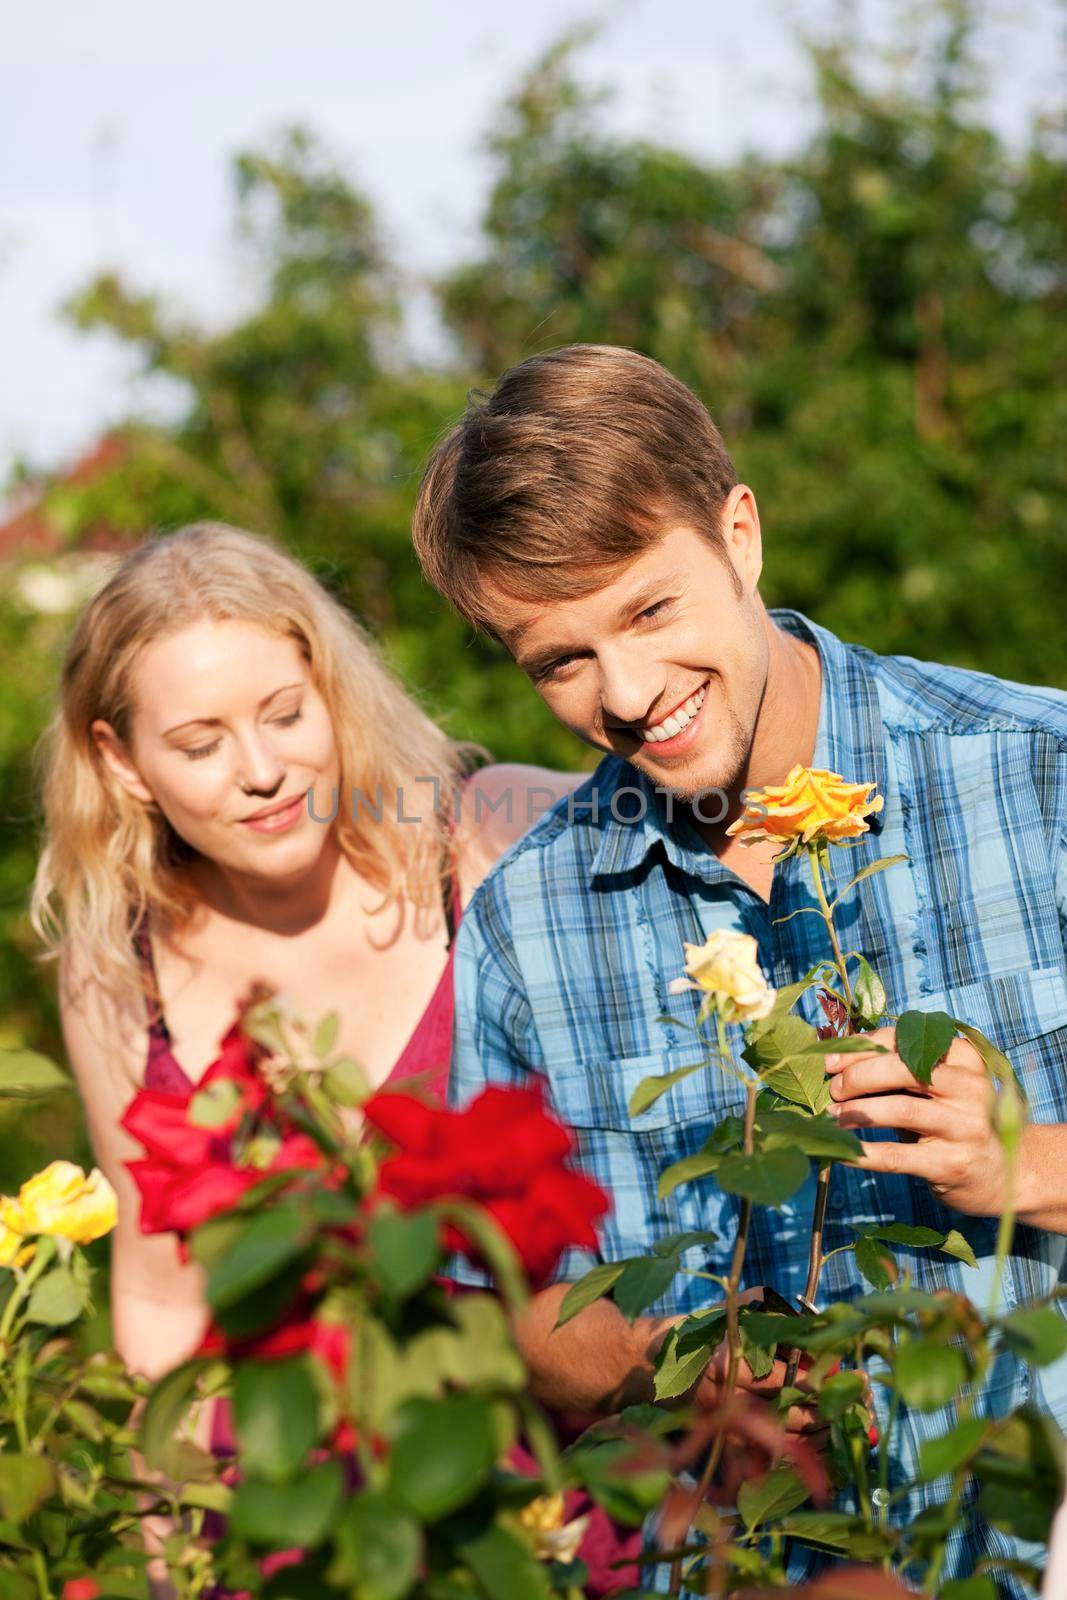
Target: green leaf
point(676, 1244)
point(994, 1060)
point(406, 1250)
point(598, 1281)
point(773, 1495)
point(379, 1547)
point(980, 1587)
point(760, 1360)
point(1021, 1469)
point(786, 1036)
point(785, 1061)
point(950, 1244)
point(276, 1416)
point(866, 872)
point(922, 1038)
point(876, 1262)
point(25, 1484)
point(442, 1453)
point(57, 1298)
point(766, 1180)
point(298, 1513)
point(1010, 1110)
point(166, 1408)
point(838, 1532)
point(484, 1356)
point(24, 1075)
point(817, 1136)
point(325, 1036)
point(681, 1360)
point(952, 1450)
point(769, 1329)
point(868, 994)
point(643, 1280)
point(504, 1565)
point(215, 1104)
point(268, 1241)
point(787, 996)
point(840, 1391)
point(649, 1090)
point(208, 1496)
point(620, 1480)
point(1038, 1334)
point(346, 1083)
point(928, 1375)
point(699, 1165)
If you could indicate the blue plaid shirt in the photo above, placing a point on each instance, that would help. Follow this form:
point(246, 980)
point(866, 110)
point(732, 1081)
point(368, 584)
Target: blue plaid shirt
point(564, 957)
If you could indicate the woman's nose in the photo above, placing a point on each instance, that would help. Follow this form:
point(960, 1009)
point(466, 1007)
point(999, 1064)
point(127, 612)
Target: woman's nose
point(261, 769)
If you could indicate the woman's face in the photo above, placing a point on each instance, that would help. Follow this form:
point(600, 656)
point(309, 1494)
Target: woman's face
point(228, 735)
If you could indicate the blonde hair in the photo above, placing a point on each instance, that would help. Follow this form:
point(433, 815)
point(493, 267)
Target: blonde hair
point(109, 860)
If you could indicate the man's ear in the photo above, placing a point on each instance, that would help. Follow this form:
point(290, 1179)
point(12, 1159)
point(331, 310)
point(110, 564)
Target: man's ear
point(741, 531)
point(116, 758)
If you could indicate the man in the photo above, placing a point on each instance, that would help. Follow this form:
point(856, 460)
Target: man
point(588, 516)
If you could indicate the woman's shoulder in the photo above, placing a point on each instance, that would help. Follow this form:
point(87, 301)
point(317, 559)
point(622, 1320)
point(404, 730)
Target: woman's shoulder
point(502, 802)
point(105, 1032)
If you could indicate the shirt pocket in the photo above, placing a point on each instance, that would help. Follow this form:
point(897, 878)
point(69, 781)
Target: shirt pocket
point(596, 1093)
point(1025, 1015)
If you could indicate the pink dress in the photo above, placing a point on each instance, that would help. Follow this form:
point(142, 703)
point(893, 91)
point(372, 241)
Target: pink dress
point(427, 1053)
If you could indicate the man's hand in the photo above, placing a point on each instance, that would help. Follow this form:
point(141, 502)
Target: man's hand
point(955, 1148)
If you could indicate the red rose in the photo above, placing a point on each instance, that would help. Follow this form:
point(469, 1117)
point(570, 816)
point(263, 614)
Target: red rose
point(191, 1173)
point(505, 1153)
point(330, 1342)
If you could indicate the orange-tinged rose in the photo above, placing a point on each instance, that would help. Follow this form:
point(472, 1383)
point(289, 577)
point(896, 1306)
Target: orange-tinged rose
point(811, 806)
point(726, 967)
point(62, 1202)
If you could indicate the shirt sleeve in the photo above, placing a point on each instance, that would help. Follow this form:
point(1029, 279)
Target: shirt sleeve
point(494, 1040)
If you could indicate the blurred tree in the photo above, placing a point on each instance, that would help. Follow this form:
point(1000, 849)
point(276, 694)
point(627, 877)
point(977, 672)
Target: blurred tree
point(305, 422)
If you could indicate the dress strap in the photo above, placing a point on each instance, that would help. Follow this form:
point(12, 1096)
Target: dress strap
point(157, 1022)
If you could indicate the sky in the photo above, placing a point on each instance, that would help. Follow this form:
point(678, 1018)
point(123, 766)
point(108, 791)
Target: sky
point(118, 119)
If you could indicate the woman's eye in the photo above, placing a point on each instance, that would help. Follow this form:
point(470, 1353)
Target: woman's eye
point(289, 718)
point(652, 611)
point(202, 750)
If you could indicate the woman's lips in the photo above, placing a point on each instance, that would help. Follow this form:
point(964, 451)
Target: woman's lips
point(278, 821)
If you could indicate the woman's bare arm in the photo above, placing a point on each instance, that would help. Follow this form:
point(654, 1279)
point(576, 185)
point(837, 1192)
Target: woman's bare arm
point(157, 1301)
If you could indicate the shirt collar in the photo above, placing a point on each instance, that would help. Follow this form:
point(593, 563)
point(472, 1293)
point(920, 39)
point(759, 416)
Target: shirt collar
point(633, 818)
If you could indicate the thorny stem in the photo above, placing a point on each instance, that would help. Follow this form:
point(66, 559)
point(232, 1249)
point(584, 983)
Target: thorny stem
point(733, 1283)
point(828, 918)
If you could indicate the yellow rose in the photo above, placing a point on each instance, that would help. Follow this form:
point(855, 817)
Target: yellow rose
point(14, 1250)
point(811, 805)
point(727, 967)
point(554, 1539)
point(63, 1202)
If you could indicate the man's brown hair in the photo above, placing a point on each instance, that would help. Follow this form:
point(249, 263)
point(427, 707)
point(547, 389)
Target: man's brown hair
point(573, 465)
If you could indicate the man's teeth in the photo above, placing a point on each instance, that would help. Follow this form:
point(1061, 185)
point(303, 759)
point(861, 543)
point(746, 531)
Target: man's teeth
point(677, 720)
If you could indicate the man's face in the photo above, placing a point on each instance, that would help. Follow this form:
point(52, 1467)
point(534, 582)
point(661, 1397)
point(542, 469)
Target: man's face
point(666, 664)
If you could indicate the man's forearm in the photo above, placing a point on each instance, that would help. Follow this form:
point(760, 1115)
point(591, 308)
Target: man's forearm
point(1041, 1181)
point(595, 1364)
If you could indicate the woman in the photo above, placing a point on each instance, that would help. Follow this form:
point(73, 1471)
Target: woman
point(238, 789)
